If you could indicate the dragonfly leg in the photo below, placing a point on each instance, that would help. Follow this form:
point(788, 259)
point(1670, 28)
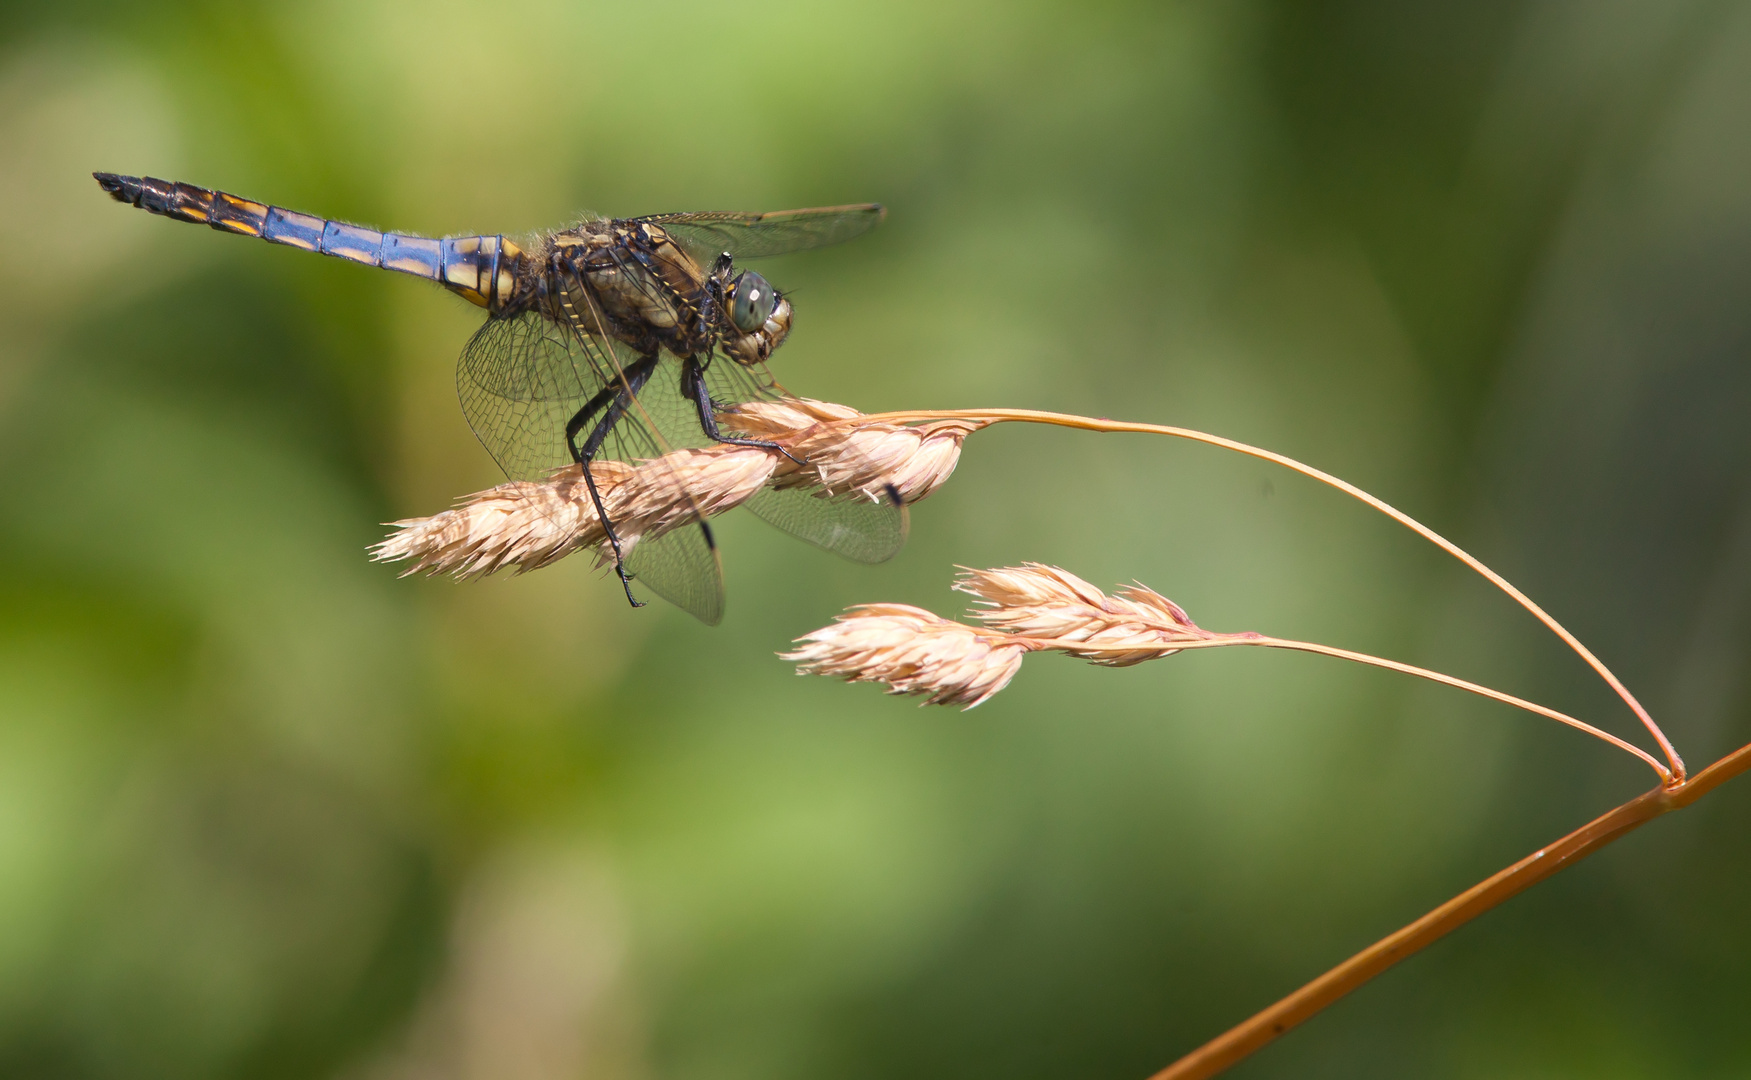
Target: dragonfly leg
point(693, 388)
point(583, 456)
point(617, 400)
point(582, 417)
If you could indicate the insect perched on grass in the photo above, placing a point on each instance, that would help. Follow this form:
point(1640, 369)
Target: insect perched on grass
point(613, 339)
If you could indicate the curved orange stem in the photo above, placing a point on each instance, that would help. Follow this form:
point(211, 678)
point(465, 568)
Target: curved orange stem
point(1660, 770)
point(1243, 1039)
point(1086, 423)
point(1088, 649)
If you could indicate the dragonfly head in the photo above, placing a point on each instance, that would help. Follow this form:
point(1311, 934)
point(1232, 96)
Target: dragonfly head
point(758, 318)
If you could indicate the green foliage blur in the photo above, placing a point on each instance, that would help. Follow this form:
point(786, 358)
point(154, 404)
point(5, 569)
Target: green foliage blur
point(268, 810)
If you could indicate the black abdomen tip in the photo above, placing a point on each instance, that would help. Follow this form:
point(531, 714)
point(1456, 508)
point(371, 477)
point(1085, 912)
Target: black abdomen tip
point(121, 188)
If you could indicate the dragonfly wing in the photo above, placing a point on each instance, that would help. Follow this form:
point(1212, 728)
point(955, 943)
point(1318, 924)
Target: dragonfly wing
point(682, 567)
point(861, 529)
point(522, 379)
point(850, 525)
point(706, 234)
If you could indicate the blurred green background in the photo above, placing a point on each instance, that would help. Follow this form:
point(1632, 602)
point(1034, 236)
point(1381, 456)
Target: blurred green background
point(267, 810)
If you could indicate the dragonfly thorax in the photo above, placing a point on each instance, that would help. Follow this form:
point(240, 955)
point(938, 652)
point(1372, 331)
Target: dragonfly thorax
point(631, 282)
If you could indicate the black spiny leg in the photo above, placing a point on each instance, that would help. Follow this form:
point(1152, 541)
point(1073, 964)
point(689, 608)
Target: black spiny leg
point(693, 388)
point(618, 399)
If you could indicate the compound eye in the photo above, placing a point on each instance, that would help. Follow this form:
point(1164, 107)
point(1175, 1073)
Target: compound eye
point(753, 303)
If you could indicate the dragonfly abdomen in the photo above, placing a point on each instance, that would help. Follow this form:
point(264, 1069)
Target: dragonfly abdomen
point(482, 269)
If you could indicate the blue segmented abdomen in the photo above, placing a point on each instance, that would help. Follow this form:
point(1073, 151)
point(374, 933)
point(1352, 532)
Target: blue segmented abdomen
point(480, 268)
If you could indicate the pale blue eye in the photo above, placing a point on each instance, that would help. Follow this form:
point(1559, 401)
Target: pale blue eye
point(753, 303)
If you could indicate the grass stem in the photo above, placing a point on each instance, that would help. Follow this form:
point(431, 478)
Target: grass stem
point(1249, 1036)
point(1660, 770)
point(1225, 640)
point(1675, 776)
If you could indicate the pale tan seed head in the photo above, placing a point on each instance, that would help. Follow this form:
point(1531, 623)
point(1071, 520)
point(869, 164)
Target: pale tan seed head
point(1047, 603)
point(911, 651)
point(783, 418)
point(682, 487)
point(529, 524)
point(526, 525)
point(844, 454)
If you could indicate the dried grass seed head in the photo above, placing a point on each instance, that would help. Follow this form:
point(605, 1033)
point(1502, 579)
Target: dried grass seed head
point(911, 651)
point(783, 418)
point(1045, 602)
point(843, 453)
point(683, 486)
point(528, 524)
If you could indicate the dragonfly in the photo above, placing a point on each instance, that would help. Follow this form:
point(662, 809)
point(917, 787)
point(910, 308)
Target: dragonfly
point(610, 339)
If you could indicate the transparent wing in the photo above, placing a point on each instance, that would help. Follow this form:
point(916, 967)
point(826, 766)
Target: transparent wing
point(851, 526)
point(682, 567)
point(522, 378)
point(707, 234)
point(855, 527)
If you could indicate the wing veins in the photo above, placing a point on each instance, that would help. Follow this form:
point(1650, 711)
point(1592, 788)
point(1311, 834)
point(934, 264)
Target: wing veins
point(661, 561)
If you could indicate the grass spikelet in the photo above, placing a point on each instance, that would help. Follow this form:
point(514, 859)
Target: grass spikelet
point(681, 487)
point(842, 452)
point(525, 524)
point(1044, 602)
point(912, 651)
point(528, 524)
